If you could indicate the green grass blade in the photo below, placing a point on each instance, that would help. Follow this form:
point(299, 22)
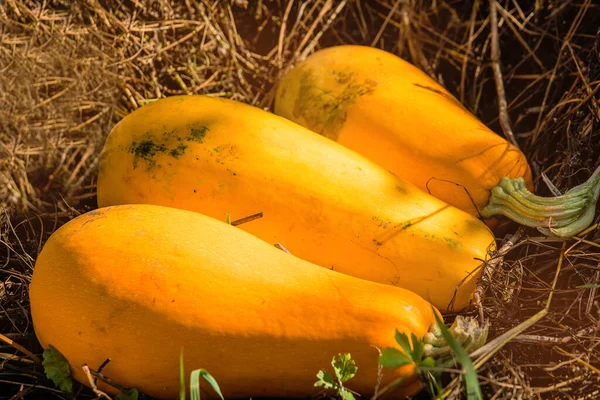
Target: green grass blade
point(589, 286)
point(181, 377)
point(195, 383)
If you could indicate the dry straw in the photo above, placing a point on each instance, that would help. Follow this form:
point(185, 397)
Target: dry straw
point(69, 70)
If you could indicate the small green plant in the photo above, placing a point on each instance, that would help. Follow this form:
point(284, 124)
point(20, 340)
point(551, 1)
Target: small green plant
point(414, 353)
point(195, 377)
point(57, 369)
point(439, 349)
point(344, 369)
point(130, 394)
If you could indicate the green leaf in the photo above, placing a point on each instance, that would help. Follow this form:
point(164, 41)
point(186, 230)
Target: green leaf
point(344, 367)
point(393, 358)
point(195, 377)
point(403, 341)
point(428, 362)
point(131, 394)
point(470, 378)
point(348, 395)
point(326, 380)
point(57, 369)
point(418, 348)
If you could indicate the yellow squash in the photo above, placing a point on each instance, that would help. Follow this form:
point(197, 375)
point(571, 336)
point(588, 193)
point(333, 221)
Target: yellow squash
point(323, 202)
point(137, 283)
point(388, 110)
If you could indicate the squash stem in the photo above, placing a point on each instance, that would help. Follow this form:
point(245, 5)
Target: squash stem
point(466, 330)
point(563, 216)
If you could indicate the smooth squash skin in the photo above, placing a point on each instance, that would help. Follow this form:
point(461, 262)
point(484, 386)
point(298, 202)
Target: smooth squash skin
point(323, 202)
point(137, 283)
point(388, 110)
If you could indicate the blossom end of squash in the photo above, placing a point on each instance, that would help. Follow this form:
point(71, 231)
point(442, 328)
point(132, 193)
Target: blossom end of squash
point(467, 331)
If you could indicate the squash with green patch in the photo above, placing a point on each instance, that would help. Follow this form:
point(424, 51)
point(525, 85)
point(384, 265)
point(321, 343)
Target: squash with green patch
point(383, 107)
point(323, 202)
point(386, 109)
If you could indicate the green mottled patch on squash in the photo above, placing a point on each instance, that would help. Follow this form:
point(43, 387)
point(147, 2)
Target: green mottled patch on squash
point(401, 189)
point(146, 150)
point(453, 244)
point(178, 151)
point(197, 133)
point(382, 223)
point(325, 110)
point(170, 143)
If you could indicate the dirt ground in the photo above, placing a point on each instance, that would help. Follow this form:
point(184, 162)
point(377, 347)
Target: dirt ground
point(69, 70)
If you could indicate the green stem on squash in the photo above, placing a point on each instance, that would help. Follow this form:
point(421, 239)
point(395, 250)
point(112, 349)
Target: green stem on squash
point(518, 185)
point(519, 198)
point(526, 217)
point(561, 216)
point(584, 221)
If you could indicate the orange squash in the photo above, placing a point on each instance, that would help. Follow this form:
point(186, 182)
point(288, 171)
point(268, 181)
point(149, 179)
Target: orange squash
point(388, 110)
point(137, 283)
point(323, 202)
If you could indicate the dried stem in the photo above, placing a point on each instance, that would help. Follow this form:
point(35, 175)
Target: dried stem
point(22, 349)
point(495, 58)
point(98, 392)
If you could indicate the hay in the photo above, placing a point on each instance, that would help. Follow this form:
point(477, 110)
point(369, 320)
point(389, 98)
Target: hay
point(69, 70)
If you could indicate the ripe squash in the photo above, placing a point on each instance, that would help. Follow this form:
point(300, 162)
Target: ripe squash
point(137, 283)
point(388, 110)
point(323, 202)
